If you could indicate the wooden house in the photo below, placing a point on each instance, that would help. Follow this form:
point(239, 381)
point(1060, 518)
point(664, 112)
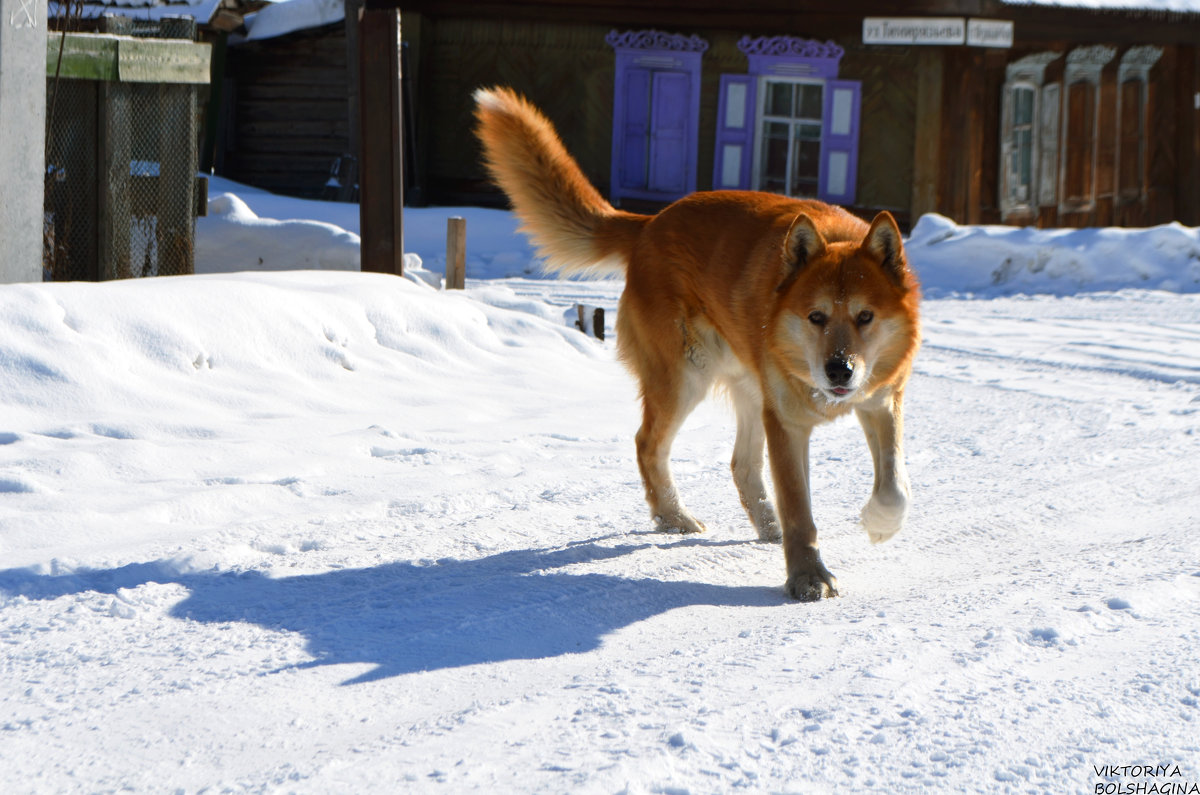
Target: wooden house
point(287, 110)
point(987, 111)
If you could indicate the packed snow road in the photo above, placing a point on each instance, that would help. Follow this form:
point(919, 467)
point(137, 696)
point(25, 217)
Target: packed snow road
point(352, 534)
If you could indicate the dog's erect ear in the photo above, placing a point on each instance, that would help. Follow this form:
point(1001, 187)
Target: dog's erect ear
point(885, 245)
point(802, 244)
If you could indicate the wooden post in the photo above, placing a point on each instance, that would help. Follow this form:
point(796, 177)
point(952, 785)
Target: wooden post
point(381, 144)
point(178, 156)
point(115, 107)
point(591, 320)
point(456, 253)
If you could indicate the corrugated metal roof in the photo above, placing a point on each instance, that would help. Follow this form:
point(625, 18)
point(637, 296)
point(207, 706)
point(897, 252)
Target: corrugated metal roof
point(202, 10)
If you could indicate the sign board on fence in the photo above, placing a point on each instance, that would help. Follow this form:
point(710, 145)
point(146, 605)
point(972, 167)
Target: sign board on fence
point(914, 30)
point(990, 32)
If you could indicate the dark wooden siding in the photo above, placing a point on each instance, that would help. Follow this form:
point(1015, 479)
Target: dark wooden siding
point(946, 158)
point(290, 111)
point(567, 70)
point(1164, 130)
point(888, 133)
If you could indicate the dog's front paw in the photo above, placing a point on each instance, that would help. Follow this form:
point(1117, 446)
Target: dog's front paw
point(884, 514)
point(678, 522)
point(810, 581)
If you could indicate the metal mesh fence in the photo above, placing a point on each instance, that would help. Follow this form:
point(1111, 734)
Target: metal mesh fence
point(120, 198)
point(69, 250)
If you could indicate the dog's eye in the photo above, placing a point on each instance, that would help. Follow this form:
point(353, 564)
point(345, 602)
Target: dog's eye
point(865, 317)
point(817, 318)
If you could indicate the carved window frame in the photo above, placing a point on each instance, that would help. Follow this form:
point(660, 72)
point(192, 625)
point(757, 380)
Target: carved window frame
point(1134, 69)
point(1083, 70)
point(737, 160)
point(1028, 74)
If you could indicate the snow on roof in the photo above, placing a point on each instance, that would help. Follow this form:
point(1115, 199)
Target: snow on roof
point(289, 16)
point(1150, 6)
point(201, 11)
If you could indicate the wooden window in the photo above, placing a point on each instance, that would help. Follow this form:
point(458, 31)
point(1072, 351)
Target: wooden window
point(1131, 135)
point(789, 126)
point(735, 132)
point(1133, 107)
point(656, 110)
point(1049, 110)
point(1028, 137)
point(1020, 158)
point(1079, 145)
point(789, 138)
point(1080, 127)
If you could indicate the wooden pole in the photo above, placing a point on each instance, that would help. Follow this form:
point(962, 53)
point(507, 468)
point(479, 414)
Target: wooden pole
point(381, 144)
point(456, 253)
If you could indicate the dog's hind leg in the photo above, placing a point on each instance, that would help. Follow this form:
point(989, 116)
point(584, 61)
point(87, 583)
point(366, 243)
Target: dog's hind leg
point(670, 364)
point(667, 399)
point(747, 464)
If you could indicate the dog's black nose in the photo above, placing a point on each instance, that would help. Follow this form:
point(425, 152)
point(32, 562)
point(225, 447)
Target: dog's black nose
point(838, 371)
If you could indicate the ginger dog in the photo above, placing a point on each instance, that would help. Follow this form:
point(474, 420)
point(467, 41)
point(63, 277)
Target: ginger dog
point(800, 310)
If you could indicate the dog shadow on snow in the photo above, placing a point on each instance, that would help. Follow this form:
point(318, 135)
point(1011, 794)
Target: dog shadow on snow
point(404, 617)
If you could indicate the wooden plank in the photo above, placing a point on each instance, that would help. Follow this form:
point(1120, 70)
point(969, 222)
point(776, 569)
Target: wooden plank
point(332, 128)
point(326, 80)
point(254, 92)
point(286, 112)
point(100, 56)
point(84, 56)
point(163, 61)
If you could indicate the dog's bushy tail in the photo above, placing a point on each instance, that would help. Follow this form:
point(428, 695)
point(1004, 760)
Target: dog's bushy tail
point(570, 223)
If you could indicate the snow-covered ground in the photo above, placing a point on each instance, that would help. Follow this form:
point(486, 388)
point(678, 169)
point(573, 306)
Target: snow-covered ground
point(327, 531)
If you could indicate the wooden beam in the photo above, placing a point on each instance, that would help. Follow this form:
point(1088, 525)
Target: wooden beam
point(1187, 102)
point(927, 151)
point(961, 176)
point(381, 146)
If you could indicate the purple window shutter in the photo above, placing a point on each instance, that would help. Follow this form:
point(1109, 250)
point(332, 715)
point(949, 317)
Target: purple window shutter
point(636, 129)
point(735, 133)
point(668, 138)
point(839, 141)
